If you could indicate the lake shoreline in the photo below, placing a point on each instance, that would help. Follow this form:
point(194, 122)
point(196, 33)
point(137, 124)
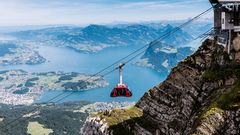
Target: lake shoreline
point(68, 60)
point(19, 87)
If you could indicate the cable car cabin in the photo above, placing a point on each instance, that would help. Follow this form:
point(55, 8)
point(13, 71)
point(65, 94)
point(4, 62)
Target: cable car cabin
point(121, 90)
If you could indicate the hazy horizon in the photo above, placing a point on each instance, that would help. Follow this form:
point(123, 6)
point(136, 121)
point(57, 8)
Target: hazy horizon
point(85, 12)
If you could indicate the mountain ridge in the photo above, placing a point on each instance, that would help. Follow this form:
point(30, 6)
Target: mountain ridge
point(82, 39)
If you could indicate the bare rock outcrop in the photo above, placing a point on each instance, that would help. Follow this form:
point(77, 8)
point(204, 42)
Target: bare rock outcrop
point(95, 126)
point(236, 47)
point(236, 44)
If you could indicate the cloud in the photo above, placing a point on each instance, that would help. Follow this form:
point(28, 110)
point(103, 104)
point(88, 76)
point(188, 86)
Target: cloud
point(163, 3)
point(42, 12)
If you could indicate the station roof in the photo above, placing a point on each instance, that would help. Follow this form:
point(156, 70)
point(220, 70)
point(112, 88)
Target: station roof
point(224, 1)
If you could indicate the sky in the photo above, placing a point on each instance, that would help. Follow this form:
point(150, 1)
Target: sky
point(84, 12)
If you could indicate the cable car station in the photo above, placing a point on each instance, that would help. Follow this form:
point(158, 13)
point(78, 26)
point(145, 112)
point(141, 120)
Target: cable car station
point(227, 23)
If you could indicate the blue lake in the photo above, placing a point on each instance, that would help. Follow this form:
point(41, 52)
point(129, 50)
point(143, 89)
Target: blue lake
point(138, 79)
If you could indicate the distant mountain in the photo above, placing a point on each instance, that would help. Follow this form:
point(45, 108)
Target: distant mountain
point(96, 37)
point(196, 28)
point(163, 57)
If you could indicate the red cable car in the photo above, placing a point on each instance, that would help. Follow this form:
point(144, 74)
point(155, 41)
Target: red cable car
point(121, 90)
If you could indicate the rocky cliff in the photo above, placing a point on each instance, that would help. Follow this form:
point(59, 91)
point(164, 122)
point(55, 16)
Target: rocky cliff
point(201, 96)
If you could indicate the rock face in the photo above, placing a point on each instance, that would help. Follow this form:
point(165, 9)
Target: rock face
point(201, 96)
point(236, 44)
point(95, 126)
point(236, 47)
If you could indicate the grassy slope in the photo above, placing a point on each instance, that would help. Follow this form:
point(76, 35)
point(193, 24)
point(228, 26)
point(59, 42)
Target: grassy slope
point(34, 128)
point(120, 115)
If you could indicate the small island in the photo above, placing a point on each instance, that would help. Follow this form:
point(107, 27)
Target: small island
point(18, 87)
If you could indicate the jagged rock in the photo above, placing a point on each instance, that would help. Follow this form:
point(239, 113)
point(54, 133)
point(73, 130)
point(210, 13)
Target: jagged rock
point(211, 124)
point(237, 56)
point(236, 44)
point(95, 126)
point(230, 81)
point(236, 47)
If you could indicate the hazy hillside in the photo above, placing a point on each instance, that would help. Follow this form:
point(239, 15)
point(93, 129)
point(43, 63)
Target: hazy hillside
point(163, 57)
point(94, 38)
